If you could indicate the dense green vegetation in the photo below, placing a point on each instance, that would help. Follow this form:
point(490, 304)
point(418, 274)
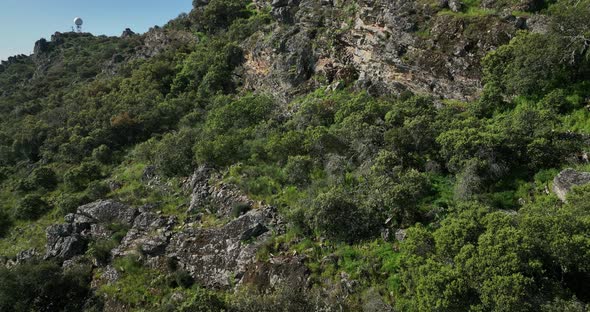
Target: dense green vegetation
point(467, 180)
point(44, 287)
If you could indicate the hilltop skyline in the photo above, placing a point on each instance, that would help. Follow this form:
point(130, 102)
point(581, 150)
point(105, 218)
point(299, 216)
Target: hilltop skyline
point(22, 22)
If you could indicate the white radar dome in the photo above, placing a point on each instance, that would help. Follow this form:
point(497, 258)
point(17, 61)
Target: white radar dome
point(78, 21)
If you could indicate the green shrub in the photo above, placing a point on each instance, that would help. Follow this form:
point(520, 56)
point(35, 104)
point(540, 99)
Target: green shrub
point(119, 231)
point(5, 223)
point(244, 112)
point(97, 190)
point(283, 298)
point(219, 14)
point(78, 178)
point(281, 145)
point(43, 286)
point(101, 250)
point(240, 209)
point(68, 203)
point(44, 178)
point(202, 300)
point(31, 207)
point(335, 216)
point(180, 278)
point(102, 154)
point(174, 154)
point(298, 169)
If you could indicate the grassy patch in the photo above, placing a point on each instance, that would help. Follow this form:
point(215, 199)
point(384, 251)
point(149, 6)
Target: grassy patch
point(169, 196)
point(24, 235)
point(470, 12)
point(373, 264)
point(138, 285)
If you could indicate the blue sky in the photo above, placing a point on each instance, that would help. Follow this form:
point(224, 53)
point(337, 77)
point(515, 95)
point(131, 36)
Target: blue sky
point(22, 22)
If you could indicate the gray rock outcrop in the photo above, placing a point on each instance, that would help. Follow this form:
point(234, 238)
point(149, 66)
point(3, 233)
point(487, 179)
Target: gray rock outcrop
point(381, 46)
point(127, 33)
point(567, 179)
point(64, 241)
point(206, 195)
point(218, 255)
point(150, 234)
point(105, 211)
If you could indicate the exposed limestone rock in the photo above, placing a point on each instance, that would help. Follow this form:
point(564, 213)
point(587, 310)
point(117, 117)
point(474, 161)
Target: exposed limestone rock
point(373, 302)
point(199, 188)
point(382, 46)
point(567, 179)
point(65, 241)
point(282, 270)
point(158, 40)
point(26, 255)
point(206, 194)
point(538, 24)
point(108, 275)
point(253, 232)
point(284, 10)
point(150, 234)
point(400, 234)
point(152, 43)
point(218, 257)
point(77, 261)
point(105, 211)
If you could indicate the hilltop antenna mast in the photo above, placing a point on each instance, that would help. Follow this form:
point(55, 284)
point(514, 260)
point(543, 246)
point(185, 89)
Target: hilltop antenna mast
point(78, 22)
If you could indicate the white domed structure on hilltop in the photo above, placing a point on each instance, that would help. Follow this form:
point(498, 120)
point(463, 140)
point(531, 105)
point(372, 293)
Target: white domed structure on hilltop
point(78, 22)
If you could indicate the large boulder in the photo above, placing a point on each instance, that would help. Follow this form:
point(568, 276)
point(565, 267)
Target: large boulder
point(91, 221)
point(200, 189)
point(567, 179)
point(105, 211)
point(65, 241)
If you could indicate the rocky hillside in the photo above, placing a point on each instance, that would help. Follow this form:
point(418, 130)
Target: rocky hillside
point(303, 155)
point(382, 46)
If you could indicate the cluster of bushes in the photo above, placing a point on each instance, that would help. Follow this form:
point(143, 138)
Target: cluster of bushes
point(482, 259)
point(43, 286)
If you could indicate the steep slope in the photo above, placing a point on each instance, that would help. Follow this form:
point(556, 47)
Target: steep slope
point(302, 155)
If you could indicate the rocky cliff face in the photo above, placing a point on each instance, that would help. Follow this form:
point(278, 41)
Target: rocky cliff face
point(382, 46)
